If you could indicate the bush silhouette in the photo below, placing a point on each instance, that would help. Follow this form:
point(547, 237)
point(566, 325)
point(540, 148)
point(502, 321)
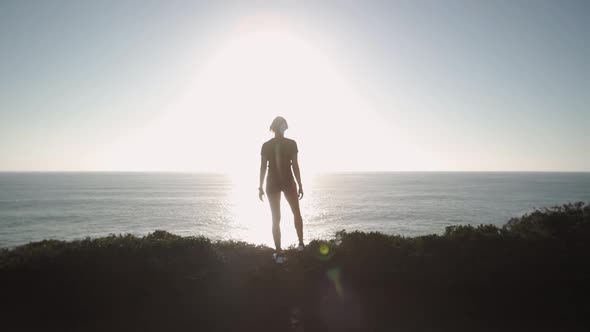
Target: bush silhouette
point(531, 274)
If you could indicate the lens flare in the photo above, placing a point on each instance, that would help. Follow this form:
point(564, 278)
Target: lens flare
point(334, 276)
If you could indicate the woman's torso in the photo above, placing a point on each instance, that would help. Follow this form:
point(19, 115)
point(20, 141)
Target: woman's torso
point(279, 152)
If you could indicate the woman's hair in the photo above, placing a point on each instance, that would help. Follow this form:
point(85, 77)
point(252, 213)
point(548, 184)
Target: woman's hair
point(279, 125)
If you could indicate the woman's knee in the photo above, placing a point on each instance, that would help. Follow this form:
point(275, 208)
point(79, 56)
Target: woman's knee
point(276, 227)
point(276, 219)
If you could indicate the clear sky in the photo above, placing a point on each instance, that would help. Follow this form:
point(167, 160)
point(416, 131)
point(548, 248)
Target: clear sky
point(190, 86)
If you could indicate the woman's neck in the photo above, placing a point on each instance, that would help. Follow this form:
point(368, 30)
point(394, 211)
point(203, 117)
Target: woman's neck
point(279, 135)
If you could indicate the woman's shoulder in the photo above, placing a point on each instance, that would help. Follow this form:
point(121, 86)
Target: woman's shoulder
point(267, 143)
point(281, 141)
point(292, 145)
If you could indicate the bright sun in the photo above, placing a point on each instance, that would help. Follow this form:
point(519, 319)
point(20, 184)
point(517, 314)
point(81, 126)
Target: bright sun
point(258, 72)
point(262, 73)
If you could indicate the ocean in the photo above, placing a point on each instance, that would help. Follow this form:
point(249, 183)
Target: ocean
point(54, 205)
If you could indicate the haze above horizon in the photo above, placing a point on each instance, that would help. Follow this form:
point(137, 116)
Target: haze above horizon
point(371, 86)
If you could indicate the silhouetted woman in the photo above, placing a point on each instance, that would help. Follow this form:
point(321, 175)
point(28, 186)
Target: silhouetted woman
point(280, 154)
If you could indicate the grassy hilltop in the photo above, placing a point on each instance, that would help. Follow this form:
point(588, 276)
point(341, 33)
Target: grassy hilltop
point(533, 274)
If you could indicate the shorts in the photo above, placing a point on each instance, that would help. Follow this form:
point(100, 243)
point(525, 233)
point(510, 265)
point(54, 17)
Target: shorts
point(286, 186)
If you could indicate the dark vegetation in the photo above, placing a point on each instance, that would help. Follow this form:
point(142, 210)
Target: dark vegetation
point(532, 274)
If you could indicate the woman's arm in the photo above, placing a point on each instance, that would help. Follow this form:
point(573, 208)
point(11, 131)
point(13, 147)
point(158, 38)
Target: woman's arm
point(263, 162)
point(297, 172)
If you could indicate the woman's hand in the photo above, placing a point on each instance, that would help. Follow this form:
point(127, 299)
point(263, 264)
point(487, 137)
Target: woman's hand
point(300, 192)
point(261, 194)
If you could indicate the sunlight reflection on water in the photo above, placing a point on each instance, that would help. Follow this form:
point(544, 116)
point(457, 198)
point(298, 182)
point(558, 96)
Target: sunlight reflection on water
point(251, 219)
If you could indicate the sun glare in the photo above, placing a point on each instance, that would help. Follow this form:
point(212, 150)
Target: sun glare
point(258, 72)
point(219, 123)
point(261, 73)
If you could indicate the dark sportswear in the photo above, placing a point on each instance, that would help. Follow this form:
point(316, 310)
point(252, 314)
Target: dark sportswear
point(279, 152)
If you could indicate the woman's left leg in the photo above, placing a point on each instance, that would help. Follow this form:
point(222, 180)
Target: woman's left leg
point(291, 196)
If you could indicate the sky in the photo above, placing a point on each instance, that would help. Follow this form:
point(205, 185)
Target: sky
point(365, 86)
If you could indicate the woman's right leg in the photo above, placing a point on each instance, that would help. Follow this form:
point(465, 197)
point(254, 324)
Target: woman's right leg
point(275, 208)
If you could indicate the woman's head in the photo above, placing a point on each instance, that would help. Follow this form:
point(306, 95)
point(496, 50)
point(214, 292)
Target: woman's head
point(279, 125)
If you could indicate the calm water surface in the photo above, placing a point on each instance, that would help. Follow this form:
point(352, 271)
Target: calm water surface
point(35, 206)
